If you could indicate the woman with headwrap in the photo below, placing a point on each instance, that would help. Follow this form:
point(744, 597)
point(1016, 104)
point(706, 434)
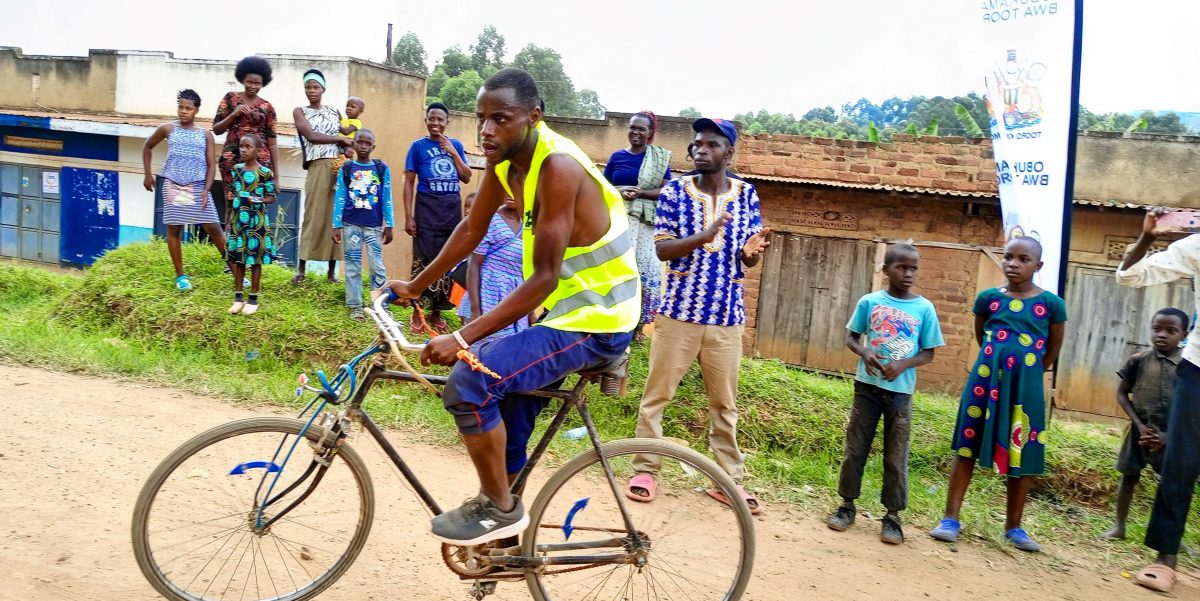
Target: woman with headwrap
point(318, 126)
point(639, 173)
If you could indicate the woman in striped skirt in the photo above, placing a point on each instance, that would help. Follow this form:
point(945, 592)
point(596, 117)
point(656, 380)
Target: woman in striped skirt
point(187, 179)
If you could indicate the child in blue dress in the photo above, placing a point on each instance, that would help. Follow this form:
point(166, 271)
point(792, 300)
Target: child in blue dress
point(1002, 416)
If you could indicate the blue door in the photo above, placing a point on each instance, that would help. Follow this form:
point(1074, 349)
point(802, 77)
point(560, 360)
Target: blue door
point(91, 204)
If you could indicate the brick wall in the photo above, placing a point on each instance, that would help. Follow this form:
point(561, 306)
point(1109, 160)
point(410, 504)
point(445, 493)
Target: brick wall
point(945, 163)
point(949, 277)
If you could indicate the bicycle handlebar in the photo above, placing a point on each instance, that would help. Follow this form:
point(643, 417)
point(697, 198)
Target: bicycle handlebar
point(388, 327)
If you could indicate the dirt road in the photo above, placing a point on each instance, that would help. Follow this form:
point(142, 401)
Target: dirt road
point(78, 449)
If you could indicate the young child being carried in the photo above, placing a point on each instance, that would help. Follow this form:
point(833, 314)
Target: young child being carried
point(250, 242)
point(901, 331)
point(1149, 376)
point(362, 215)
point(351, 124)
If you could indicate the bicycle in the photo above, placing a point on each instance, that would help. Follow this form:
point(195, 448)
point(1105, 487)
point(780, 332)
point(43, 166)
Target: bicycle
point(216, 514)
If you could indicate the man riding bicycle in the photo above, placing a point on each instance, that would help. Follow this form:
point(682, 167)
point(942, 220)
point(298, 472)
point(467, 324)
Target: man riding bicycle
point(579, 268)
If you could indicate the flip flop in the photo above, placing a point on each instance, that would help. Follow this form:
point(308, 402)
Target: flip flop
point(1157, 577)
point(751, 501)
point(644, 481)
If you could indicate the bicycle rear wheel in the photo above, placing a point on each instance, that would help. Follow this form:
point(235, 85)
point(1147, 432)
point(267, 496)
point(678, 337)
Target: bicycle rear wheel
point(693, 547)
point(197, 532)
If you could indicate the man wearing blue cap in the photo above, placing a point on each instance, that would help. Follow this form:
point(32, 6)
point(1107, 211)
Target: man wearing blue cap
point(709, 229)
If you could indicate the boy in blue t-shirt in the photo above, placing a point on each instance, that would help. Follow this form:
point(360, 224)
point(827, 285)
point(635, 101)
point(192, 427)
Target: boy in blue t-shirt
point(362, 214)
point(901, 330)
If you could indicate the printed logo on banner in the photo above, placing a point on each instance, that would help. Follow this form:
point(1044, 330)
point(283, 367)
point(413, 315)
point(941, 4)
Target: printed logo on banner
point(1025, 49)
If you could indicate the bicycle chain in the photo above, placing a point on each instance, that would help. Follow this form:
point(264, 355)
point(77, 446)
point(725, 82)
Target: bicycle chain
point(514, 576)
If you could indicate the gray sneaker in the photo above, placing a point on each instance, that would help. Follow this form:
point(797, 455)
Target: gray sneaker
point(842, 518)
point(357, 314)
point(479, 521)
point(891, 534)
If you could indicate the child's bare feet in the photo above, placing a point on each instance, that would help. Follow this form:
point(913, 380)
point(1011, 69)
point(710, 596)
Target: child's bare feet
point(1117, 533)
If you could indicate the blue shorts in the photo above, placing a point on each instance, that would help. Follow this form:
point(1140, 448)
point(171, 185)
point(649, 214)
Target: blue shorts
point(528, 360)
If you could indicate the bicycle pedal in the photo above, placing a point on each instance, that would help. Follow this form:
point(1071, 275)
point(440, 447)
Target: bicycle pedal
point(481, 589)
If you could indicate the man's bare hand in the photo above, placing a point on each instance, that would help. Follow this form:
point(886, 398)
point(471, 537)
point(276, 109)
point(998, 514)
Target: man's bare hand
point(757, 243)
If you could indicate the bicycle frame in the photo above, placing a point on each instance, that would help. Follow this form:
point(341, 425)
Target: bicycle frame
point(571, 398)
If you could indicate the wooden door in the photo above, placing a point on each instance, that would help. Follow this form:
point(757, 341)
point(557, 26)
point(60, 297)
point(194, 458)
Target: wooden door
point(1106, 324)
point(808, 290)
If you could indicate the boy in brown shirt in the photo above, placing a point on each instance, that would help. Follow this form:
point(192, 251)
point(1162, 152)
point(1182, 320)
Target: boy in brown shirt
point(1149, 376)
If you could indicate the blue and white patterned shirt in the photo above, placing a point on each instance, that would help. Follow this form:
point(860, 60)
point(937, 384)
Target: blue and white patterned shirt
point(705, 286)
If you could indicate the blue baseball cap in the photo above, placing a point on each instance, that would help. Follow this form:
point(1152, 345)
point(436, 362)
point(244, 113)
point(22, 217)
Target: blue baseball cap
point(726, 128)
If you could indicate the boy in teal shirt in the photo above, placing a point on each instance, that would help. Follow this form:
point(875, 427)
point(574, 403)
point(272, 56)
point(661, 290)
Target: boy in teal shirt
point(901, 330)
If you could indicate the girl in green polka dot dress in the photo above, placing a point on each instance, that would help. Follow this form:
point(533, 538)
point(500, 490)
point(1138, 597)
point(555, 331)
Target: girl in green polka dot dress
point(1002, 417)
point(250, 244)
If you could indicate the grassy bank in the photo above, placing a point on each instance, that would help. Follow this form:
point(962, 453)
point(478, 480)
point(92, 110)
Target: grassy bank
point(123, 317)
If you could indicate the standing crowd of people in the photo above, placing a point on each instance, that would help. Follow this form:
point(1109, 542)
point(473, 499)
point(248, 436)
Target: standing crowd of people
point(565, 264)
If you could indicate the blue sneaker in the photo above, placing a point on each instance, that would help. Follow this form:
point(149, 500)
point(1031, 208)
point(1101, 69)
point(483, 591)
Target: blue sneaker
point(946, 531)
point(1018, 538)
point(183, 284)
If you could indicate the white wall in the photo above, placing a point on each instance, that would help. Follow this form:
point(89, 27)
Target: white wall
point(147, 82)
point(137, 205)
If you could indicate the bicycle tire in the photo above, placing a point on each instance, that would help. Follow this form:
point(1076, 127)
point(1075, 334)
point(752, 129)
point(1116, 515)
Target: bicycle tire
point(144, 553)
point(701, 464)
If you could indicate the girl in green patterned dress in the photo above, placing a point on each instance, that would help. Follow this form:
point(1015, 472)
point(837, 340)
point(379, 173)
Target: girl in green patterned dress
point(250, 243)
point(1002, 417)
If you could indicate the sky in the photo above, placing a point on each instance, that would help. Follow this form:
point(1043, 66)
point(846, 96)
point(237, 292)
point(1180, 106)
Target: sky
point(722, 58)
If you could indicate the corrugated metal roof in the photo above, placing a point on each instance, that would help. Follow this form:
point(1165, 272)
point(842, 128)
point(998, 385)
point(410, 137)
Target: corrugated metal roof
point(1113, 204)
point(862, 186)
point(135, 120)
point(1107, 204)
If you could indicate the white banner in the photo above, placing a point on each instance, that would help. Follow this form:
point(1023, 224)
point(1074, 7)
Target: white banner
point(1026, 49)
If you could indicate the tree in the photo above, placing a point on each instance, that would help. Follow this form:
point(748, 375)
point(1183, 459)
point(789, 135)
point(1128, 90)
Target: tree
point(487, 53)
point(967, 120)
point(942, 110)
point(589, 105)
point(863, 111)
point(435, 81)
point(1111, 122)
point(454, 61)
point(460, 92)
point(690, 112)
point(1087, 119)
point(896, 110)
point(1164, 123)
point(826, 114)
point(409, 54)
point(545, 65)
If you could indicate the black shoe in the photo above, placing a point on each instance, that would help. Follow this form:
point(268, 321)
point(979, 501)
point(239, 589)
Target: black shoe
point(842, 518)
point(479, 521)
point(891, 534)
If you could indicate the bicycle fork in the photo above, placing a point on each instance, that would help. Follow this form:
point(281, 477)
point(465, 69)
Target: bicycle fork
point(325, 449)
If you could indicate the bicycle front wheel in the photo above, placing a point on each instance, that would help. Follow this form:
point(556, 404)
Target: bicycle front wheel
point(687, 546)
point(198, 532)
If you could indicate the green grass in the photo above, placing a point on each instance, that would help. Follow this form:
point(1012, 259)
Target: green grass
point(123, 317)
